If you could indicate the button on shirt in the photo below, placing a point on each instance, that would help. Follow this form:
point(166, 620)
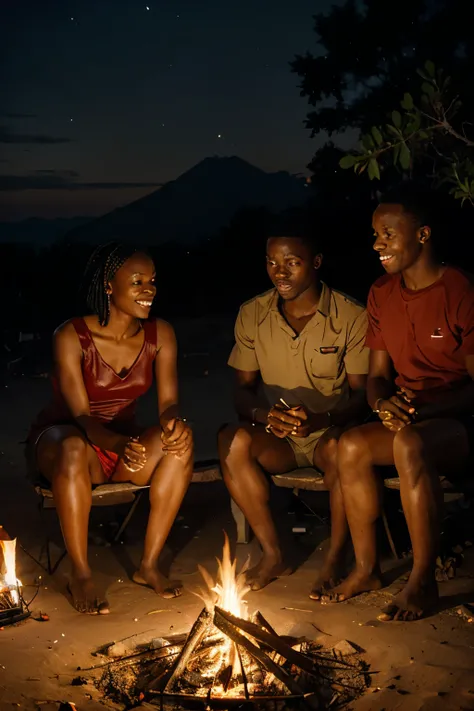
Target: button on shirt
point(310, 368)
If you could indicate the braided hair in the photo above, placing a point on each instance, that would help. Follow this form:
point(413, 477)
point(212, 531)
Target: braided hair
point(101, 268)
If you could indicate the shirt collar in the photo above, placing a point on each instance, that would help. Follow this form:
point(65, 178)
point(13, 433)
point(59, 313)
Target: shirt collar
point(323, 306)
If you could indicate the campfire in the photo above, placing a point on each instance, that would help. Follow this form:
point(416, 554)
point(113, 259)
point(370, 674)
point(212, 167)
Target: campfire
point(230, 658)
point(11, 602)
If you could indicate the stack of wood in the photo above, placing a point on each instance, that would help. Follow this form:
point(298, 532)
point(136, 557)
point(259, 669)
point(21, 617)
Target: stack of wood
point(271, 667)
point(228, 660)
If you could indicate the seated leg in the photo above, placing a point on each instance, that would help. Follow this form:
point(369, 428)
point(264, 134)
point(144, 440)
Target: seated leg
point(245, 452)
point(360, 450)
point(325, 459)
point(422, 453)
point(71, 465)
point(169, 478)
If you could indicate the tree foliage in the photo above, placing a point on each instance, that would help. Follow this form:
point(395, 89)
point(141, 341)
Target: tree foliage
point(369, 54)
point(425, 133)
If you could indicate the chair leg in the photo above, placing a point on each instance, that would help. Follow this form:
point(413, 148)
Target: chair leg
point(53, 568)
point(296, 492)
point(129, 515)
point(389, 535)
point(243, 528)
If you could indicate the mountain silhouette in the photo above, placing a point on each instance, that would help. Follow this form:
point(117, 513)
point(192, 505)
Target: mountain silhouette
point(197, 204)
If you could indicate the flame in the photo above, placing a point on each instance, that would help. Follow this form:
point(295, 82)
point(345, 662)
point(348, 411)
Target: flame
point(10, 581)
point(230, 588)
point(227, 592)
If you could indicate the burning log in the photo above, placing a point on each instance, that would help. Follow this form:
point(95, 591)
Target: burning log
point(244, 675)
point(230, 625)
point(259, 619)
point(270, 640)
point(198, 631)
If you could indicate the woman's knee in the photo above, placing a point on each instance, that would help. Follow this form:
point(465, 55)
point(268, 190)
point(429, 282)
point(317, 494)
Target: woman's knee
point(72, 455)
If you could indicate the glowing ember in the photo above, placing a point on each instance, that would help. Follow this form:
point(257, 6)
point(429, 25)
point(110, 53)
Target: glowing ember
point(8, 580)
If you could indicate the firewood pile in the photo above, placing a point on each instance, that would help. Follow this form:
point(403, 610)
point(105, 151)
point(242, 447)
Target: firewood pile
point(228, 662)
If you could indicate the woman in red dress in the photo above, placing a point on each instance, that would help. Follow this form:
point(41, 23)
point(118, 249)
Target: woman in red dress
point(103, 363)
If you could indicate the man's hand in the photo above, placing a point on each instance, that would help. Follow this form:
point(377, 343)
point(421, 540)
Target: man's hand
point(134, 455)
point(176, 437)
point(398, 411)
point(283, 421)
point(295, 421)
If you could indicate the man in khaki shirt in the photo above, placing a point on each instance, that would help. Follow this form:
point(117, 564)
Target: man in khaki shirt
point(300, 345)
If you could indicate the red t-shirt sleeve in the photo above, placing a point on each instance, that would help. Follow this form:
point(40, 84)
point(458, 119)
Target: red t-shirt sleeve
point(374, 339)
point(466, 322)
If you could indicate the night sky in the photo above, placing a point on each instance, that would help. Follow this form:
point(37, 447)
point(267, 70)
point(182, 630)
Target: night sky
point(130, 95)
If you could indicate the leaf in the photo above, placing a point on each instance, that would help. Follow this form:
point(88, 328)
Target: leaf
point(428, 89)
point(405, 156)
point(397, 119)
point(422, 74)
point(396, 154)
point(407, 102)
point(347, 162)
point(430, 68)
point(394, 131)
point(368, 143)
point(416, 121)
point(424, 135)
point(374, 172)
point(377, 136)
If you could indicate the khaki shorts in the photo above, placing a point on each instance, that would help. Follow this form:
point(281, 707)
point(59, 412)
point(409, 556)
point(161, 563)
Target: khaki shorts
point(303, 447)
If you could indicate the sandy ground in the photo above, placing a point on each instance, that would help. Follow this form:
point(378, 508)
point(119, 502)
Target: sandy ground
point(423, 665)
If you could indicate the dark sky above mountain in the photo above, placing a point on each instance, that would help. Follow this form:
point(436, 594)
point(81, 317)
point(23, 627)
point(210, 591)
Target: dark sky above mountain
point(105, 99)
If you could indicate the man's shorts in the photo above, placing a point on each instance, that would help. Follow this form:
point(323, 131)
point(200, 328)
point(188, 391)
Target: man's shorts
point(303, 447)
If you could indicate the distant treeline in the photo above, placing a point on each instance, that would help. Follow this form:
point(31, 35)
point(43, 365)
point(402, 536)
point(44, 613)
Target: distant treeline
point(39, 290)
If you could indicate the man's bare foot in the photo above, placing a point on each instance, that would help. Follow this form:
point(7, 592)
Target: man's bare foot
point(412, 603)
point(267, 570)
point(85, 597)
point(327, 579)
point(152, 578)
point(355, 584)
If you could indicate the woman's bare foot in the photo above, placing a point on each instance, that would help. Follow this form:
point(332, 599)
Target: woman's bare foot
point(85, 597)
point(412, 603)
point(267, 570)
point(327, 579)
point(356, 583)
point(152, 578)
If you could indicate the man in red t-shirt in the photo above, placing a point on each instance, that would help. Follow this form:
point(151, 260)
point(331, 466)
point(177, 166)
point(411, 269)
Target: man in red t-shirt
point(421, 324)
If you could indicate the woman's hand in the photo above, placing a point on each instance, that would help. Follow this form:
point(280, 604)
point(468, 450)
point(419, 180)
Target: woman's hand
point(134, 455)
point(176, 436)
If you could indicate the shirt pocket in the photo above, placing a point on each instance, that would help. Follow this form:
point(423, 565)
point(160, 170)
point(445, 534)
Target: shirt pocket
point(325, 365)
